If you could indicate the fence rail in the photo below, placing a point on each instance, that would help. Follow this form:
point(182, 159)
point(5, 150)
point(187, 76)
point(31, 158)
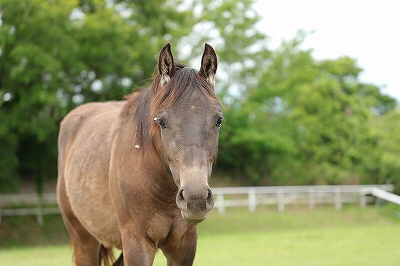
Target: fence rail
point(284, 195)
point(32, 204)
point(28, 204)
point(382, 194)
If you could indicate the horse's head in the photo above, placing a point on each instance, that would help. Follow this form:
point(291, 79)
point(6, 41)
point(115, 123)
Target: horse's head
point(189, 117)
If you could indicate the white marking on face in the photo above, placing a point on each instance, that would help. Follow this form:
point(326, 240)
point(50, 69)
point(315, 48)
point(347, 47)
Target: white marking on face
point(137, 146)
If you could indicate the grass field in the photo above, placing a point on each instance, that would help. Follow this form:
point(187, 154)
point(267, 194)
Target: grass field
point(297, 237)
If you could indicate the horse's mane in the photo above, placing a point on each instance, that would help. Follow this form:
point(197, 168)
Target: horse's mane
point(144, 105)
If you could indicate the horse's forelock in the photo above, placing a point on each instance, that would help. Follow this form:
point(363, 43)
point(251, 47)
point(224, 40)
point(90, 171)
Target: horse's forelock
point(183, 80)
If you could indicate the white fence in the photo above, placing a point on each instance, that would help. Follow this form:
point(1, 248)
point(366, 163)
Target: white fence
point(284, 195)
point(28, 204)
point(382, 194)
point(32, 204)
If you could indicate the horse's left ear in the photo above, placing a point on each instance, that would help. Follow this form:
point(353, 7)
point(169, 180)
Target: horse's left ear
point(165, 64)
point(209, 64)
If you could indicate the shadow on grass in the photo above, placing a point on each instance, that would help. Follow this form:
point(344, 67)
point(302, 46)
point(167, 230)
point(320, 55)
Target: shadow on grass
point(25, 231)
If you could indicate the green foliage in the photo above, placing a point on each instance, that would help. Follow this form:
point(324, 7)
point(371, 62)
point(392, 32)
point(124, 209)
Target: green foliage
point(230, 25)
point(310, 122)
point(383, 155)
point(290, 119)
point(58, 54)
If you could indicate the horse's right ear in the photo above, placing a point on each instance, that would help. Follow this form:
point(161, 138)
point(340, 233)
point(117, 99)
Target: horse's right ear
point(165, 64)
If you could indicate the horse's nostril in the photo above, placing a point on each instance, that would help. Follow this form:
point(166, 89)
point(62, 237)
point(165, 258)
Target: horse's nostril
point(209, 193)
point(181, 197)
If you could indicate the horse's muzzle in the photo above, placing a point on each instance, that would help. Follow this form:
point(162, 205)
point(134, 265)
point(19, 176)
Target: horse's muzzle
point(195, 203)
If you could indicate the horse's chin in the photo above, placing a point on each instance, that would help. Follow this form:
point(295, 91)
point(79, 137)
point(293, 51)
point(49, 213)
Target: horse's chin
point(191, 219)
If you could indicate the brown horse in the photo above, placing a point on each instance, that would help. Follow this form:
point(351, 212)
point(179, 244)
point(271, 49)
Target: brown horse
point(134, 174)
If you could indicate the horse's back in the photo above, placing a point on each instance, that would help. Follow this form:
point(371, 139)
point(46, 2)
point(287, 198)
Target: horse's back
point(90, 116)
point(84, 127)
point(84, 155)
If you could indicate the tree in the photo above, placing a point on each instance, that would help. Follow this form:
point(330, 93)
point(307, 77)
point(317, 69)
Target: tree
point(58, 54)
point(382, 163)
point(230, 26)
point(305, 122)
point(290, 119)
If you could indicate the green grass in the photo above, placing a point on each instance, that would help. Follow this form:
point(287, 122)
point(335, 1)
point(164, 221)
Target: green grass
point(297, 237)
point(25, 231)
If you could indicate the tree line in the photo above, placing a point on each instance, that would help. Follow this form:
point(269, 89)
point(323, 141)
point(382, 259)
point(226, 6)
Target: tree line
point(290, 119)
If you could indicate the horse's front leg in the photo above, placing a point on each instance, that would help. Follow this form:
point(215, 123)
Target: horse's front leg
point(181, 252)
point(136, 249)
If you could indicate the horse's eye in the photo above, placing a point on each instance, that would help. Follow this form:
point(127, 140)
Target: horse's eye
point(161, 123)
point(219, 121)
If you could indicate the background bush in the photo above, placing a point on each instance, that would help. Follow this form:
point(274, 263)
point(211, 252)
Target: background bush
point(290, 119)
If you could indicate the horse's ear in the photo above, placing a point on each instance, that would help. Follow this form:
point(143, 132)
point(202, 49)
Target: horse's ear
point(165, 64)
point(209, 64)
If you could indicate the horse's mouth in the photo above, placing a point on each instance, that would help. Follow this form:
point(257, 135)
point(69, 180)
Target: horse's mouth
point(192, 221)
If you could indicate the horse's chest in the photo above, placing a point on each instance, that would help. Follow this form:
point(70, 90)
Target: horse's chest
point(158, 228)
point(166, 231)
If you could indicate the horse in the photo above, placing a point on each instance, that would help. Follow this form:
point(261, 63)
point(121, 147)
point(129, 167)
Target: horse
point(134, 174)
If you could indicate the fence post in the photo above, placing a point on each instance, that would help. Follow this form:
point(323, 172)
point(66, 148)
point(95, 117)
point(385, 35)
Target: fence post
point(221, 203)
point(338, 199)
point(311, 199)
point(378, 202)
point(363, 199)
point(39, 211)
point(281, 201)
point(252, 200)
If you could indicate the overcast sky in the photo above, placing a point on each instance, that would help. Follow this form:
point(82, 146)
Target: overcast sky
point(367, 30)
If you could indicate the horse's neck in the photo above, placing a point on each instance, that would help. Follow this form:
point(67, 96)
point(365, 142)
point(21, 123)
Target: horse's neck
point(154, 171)
point(161, 182)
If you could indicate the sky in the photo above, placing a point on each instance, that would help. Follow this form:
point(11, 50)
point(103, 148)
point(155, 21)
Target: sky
point(367, 30)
